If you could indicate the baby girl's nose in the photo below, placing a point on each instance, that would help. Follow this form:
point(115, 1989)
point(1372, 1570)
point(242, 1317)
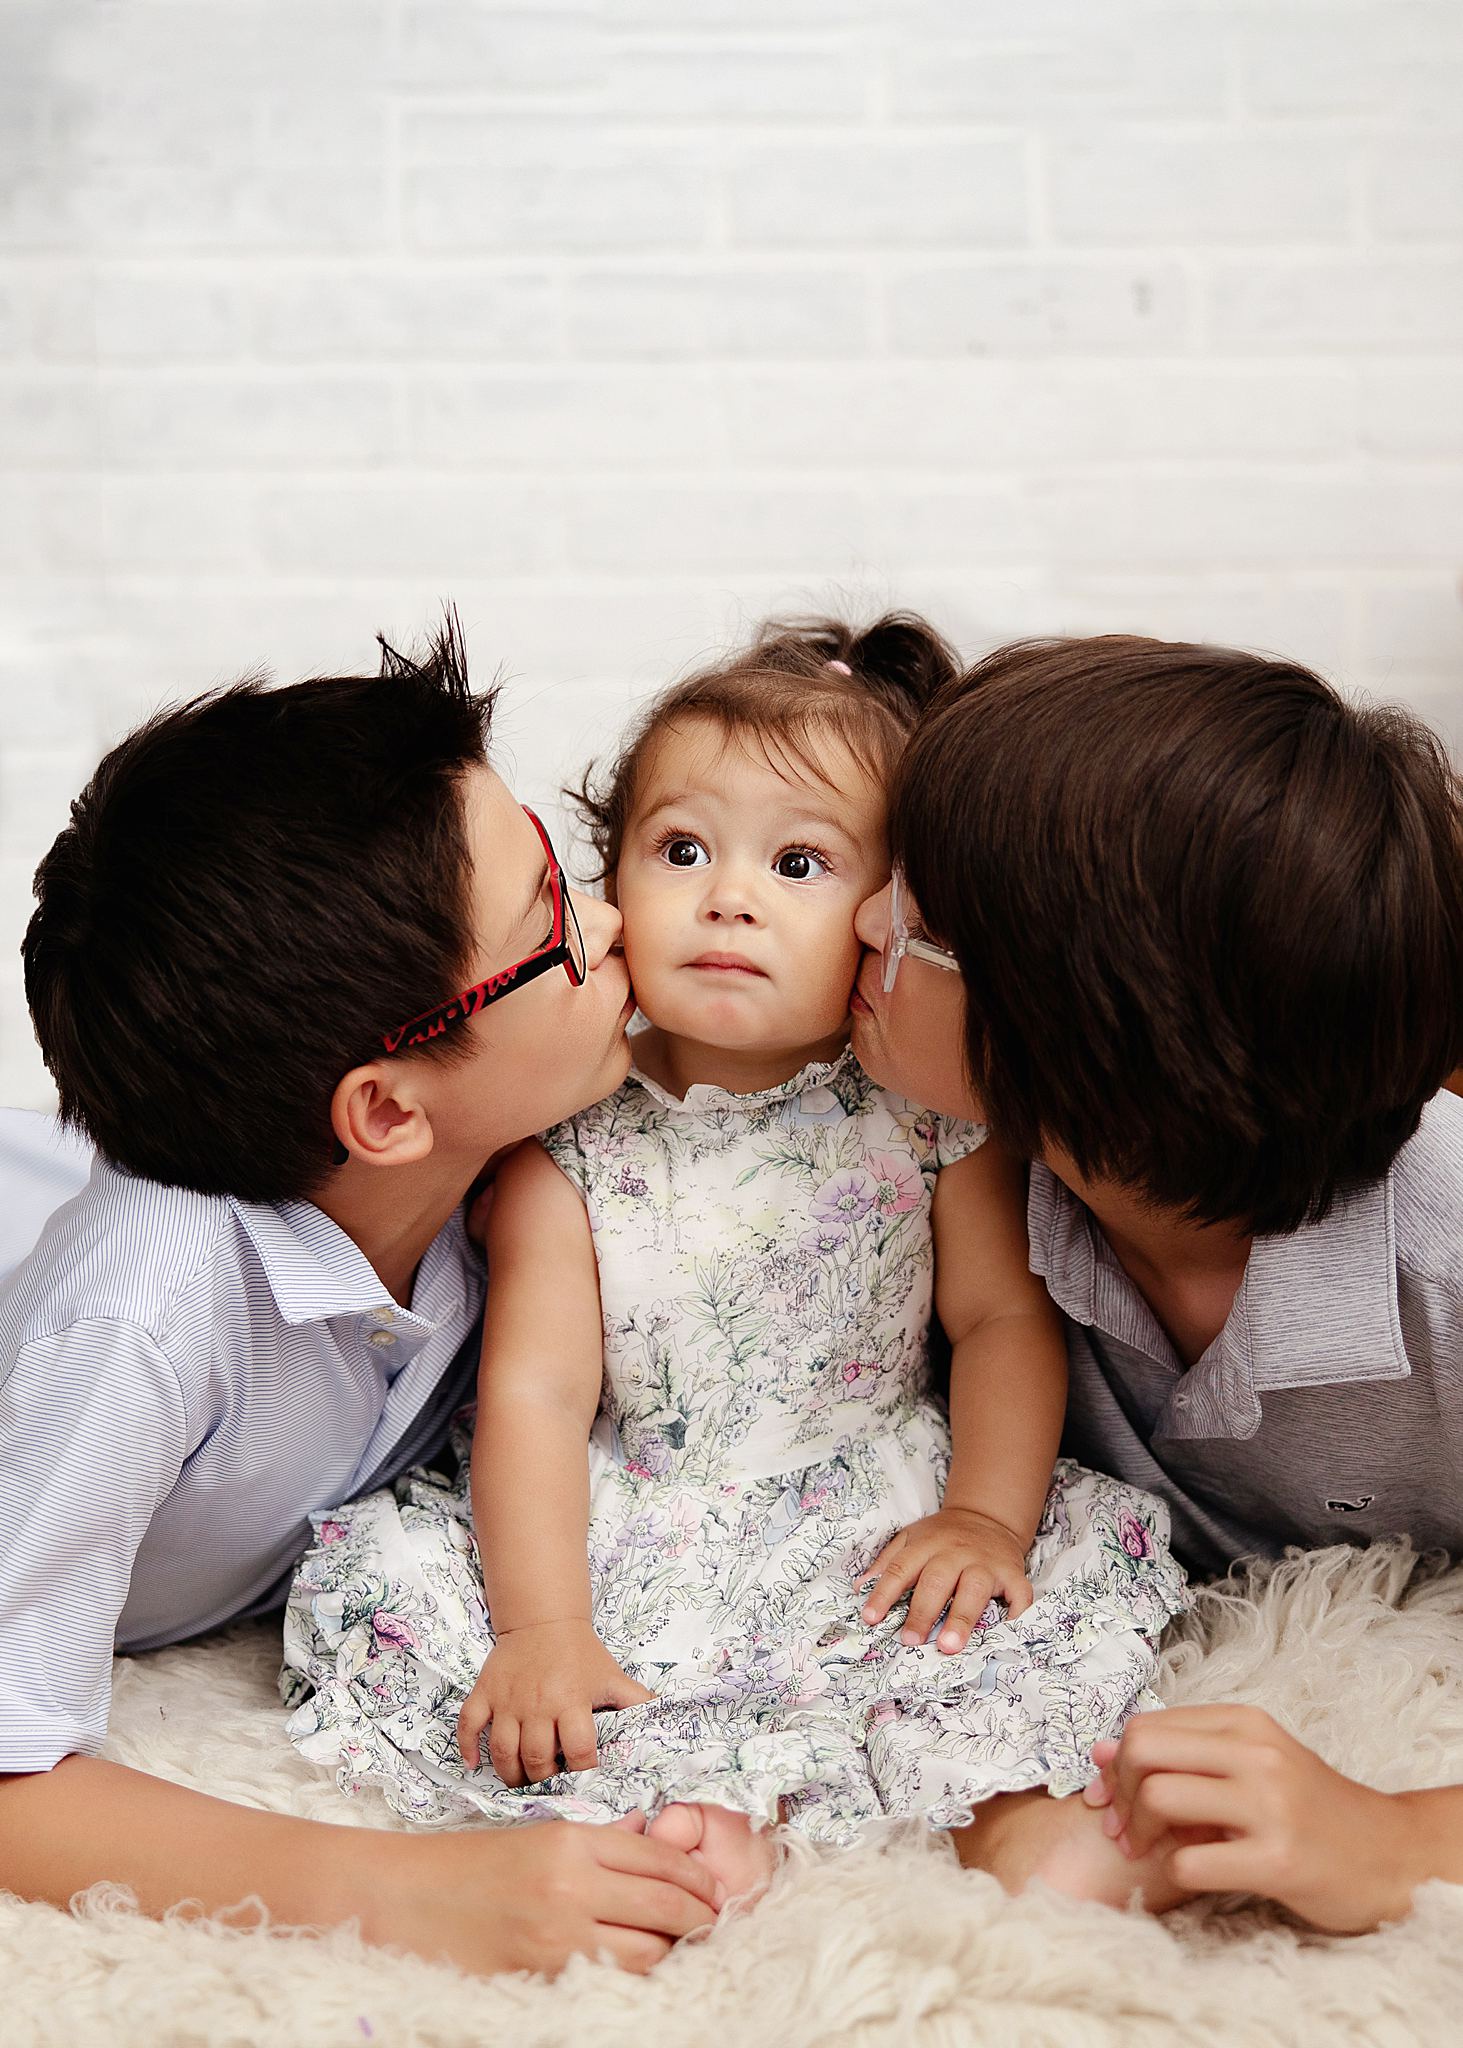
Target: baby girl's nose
point(731, 899)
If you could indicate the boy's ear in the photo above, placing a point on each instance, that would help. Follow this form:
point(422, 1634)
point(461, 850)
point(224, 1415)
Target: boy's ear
point(379, 1117)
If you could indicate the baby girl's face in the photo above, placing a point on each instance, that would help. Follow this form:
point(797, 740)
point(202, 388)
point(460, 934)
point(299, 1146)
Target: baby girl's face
point(738, 882)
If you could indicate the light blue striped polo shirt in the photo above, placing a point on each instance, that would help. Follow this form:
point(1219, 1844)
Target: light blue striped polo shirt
point(183, 1380)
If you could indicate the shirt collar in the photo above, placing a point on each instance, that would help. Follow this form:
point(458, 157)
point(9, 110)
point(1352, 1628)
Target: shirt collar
point(1317, 1306)
point(315, 1271)
point(1345, 1271)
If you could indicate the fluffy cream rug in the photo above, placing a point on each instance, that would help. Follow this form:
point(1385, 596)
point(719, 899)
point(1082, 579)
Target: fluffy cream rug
point(892, 1943)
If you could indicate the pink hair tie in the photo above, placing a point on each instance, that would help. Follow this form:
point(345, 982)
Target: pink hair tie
point(841, 667)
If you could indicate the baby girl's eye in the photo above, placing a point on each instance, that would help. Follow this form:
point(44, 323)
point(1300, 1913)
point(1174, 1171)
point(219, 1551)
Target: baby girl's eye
point(799, 864)
point(684, 852)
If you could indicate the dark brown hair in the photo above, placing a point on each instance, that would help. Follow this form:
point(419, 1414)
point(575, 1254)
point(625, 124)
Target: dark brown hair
point(779, 693)
point(1209, 915)
point(251, 890)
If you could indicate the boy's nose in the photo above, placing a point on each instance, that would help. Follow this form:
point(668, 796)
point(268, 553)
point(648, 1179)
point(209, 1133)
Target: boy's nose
point(601, 924)
point(871, 920)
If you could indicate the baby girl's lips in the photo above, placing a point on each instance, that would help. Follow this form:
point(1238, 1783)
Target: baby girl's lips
point(726, 963)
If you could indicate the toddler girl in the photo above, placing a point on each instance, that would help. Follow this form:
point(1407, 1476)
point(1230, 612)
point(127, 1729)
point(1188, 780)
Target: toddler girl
point(722, 1279)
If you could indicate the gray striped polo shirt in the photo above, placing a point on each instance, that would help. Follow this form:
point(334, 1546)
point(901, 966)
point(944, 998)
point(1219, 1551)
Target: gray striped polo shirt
point(1329, 1407)
point(183, 1380)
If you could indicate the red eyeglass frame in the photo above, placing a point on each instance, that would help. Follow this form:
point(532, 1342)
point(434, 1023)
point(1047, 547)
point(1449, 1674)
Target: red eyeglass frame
point(557, 951)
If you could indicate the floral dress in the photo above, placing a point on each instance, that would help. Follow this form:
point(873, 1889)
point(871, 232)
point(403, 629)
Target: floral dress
point(767, 1423)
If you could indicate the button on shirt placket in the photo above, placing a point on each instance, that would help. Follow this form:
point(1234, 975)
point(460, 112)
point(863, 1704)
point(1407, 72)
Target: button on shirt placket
point(393, 1336)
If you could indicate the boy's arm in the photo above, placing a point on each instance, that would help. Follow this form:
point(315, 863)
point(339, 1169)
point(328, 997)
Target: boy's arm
point(1008, 1390)
point(486, 1900)
point(92, 1436)
point(538, 1390)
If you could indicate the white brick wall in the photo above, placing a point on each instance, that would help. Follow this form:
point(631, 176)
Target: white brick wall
point(624, 321)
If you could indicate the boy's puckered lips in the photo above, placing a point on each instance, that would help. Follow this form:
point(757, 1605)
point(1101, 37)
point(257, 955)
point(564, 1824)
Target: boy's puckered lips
point(860, 1001)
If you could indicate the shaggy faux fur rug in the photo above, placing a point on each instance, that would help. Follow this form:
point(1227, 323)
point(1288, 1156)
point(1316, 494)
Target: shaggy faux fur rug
point(1356, 1652)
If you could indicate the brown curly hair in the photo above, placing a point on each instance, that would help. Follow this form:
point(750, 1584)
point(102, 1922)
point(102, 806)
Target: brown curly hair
point(796, 679)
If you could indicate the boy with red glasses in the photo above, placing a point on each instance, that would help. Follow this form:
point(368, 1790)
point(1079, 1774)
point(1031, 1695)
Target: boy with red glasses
point(265, 1299)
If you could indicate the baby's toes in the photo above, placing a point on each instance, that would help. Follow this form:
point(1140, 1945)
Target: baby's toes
point(681, 1826)
point(742, 1855)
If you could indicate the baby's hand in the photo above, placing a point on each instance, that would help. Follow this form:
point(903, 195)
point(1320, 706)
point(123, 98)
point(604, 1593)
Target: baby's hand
point(538, 1689)
point(958, 1559)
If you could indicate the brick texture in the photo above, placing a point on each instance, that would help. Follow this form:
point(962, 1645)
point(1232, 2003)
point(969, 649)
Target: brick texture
point(623, 322)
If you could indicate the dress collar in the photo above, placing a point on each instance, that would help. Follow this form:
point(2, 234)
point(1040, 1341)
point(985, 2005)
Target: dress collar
point(705, 1095)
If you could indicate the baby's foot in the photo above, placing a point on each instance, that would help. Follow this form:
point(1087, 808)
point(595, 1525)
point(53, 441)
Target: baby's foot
point(741, 1855)
point(1018, 1836)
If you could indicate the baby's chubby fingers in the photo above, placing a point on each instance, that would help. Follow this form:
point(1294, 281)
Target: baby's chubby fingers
point(968, 1603)
point(577, 1742)
point(894, 1571)
point(470, 1725)
point(503, 1748)
point(1016, 1590)
point(929, 1600)
point(539, 1748)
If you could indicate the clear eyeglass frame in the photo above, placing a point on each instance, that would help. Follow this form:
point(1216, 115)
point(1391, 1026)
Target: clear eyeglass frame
point(900, 940)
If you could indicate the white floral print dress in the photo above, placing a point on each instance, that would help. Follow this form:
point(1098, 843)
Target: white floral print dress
point(766, 1424)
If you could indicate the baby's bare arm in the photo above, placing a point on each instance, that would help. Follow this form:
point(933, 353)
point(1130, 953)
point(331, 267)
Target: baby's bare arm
point(1008, 1390)
point(538, 1389)
point(1008, 1368)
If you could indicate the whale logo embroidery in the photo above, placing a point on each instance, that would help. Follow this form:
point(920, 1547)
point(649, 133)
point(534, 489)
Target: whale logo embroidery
point(1350, 1507)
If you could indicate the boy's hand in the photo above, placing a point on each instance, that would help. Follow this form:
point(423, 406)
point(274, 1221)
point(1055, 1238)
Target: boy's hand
point(528, 1898)
point(956, 1558)
point(538, 1689)
point(1256, 1811)
point(484, 1898)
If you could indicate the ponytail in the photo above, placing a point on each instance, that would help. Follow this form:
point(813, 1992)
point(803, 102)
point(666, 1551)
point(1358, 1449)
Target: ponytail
point(900, 659)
